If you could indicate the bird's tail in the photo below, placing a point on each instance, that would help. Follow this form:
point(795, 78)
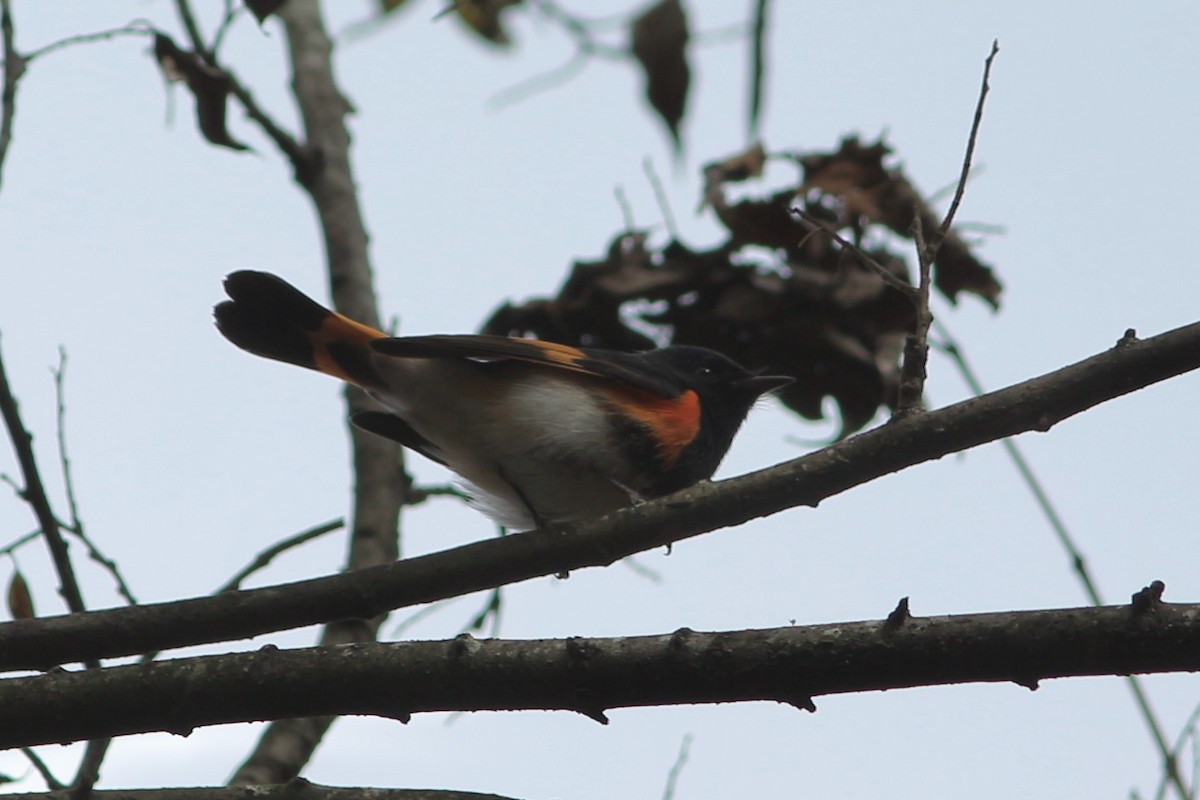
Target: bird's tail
point(267, 316)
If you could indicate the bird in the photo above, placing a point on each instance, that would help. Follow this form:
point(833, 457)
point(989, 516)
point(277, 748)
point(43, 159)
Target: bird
point(539, 433)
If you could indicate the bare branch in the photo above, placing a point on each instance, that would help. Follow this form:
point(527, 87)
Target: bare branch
point(590, 676)
point(1036, 404)
point(266, 556)
point(227, 19)
point(883, 272)
point(75, 524)
point(60, 414)
point(19, 542)
point(138, 27)
point(913, 373)
point(183, 9)
point(14, 68)
point(34, 493)
point(758, 47)
point(419, 494)
point(298, 789)
point(948, 220)
point(537, 84)
point(380, 482)
point(677, 767)
point(950, 346)
point(43, 769)
point(916, 345)
point(660, 194)
point(299, 156)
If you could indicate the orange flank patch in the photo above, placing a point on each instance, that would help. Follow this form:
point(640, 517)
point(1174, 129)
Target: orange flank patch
point(674, 421)
point(348, 337)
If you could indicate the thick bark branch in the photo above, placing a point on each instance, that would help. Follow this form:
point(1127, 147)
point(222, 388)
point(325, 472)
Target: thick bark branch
point(590, 676)
point(380, 482)
point(1034, 405)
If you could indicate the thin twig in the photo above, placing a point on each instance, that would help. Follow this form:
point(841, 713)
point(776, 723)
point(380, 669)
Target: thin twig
point(14, 68)
point(677, 767)
point(419, 494)
point(640, 569)
point(75, 525)
point(184, 10)
point(266, 556)
point(582, 33)
point(916, 345)
point(89, 768)
point(52, 783)
point(660, 194)
point(138, 27)
point(757, 65)
point(296, 153)
point(941, 193)
point(34, 493)
point(60, 409)
point(888, 277)
point(490, 611)
point(726, 34)
point(419, 615)
point(944, 228)
point(231, 13)
point(626, 208)
point(950, 346)
point(1188, 731)
point(583, 30)
point(21, 541)
point(539, 83)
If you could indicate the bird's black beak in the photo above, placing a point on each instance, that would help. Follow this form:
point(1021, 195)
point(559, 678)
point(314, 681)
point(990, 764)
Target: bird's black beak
point(761, 384)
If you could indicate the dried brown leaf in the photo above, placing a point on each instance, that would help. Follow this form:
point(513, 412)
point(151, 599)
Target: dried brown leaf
point(869, 192)
point(779, 294)
point(484, 18)
point(658, 40)
point(209, 86)
point(740, 167)
point(20, 601)
point(261, 9)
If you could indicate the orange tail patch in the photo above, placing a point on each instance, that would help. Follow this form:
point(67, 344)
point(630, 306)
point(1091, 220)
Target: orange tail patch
point(269, 317)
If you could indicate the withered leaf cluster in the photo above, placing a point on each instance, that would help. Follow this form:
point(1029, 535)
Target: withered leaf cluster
point(779, 293)
point(209, 85)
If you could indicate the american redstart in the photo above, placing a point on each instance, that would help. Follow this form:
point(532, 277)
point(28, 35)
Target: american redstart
point(540, 432)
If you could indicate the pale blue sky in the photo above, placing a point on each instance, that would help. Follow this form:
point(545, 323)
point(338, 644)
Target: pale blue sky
point(116, 229)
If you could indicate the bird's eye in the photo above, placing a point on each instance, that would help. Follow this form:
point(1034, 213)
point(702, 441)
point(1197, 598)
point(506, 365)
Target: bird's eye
point(705, 372)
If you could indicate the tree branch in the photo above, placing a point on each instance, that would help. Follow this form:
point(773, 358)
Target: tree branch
point(381, 484)
point(34, 493)
point(266, 556)
point(591, 676)
point(1075, 556)
point(916, 344)
point(1036, 404)
point(298, 789)
point(299, 156)
point(14, 68)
